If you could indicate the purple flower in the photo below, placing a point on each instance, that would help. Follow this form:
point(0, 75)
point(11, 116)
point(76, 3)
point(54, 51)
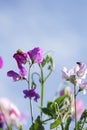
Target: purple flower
point(31, 93)
point(22, 70)
point(36, 55)
point(1, 62)
point(14, 75)
point(21, 58)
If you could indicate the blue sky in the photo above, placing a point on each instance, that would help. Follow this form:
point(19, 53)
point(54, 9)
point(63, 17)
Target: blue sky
point(53, 25)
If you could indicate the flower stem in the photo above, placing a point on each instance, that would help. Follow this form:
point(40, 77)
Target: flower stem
point(42, 88)
point(29, 87)
point(44, 121)
point(31, 110)
point(75, 106)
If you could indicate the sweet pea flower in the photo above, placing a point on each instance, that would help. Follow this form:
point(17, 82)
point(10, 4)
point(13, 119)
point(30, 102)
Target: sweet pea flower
point(31, 93)
point(15, 76)
point(66, 74)
point(79, 108)
point(21, 58)
point(10, 113)
point(76, 74)
point(83, 85)
point(1, 62)
point(36, 55)
point(81, 70)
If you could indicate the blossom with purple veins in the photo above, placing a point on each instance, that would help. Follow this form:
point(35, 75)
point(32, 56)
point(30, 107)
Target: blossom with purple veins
point(66, 74)
point(81, 70)
point(76, 74)
point(36, 55)
point(83, 85)
point(31, 93)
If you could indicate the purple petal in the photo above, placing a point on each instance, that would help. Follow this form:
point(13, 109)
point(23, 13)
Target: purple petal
point(21, 57)
point(36, 55)
point(31, 93)
point(14, 75)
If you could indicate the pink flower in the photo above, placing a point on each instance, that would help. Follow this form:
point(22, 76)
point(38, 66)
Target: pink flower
point(36, 55)
point(79, 108)
point(81, 70)
point(10, 112)
point(1, 62)
point(66, 74)
point(83, 85)
point(76, 74)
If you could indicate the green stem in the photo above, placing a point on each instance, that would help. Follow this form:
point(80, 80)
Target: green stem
point(47, 76)
point(29, 87)
point(62, 126)
point(75, 106)
point(44, 121)
point(31, 110)
point(42, 88)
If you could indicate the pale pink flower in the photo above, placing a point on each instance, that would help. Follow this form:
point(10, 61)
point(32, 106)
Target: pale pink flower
point(79, 108)
point(81, 70)
point(83, 85)
point(66, 74)
point(11, 113)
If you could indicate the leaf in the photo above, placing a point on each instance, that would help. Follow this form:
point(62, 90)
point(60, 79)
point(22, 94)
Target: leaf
point(37, 125)
point(47, 111)
point(60, 99)
point(55, 124)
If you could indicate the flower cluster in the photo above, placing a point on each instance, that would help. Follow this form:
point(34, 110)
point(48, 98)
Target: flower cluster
point(22, 58)
point(9, 114)
point(76, 75)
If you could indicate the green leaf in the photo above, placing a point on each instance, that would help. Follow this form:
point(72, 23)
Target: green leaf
point(55, 124)
point(47, 111)
point(60, 99)
point(37, 125)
